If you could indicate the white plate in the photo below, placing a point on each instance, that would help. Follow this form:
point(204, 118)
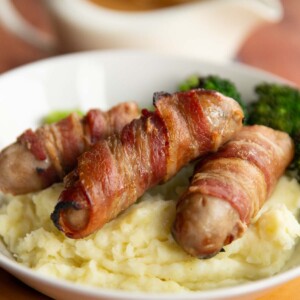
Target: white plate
point(101, 79)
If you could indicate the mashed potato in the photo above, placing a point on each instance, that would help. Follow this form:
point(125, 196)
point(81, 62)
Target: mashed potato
point(137, 252)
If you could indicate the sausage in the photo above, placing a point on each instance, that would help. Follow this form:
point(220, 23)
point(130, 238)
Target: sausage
point(42, 157)
point(228, 188)
point(150, 150)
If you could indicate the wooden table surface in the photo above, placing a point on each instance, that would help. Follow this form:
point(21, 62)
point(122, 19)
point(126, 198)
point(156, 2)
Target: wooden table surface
point(275, 48)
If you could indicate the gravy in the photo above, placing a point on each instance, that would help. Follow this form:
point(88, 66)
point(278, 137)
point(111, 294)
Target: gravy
point(137, 5)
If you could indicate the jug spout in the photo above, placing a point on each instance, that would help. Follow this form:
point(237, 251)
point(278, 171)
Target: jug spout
point(269, 10)
point(238, 18)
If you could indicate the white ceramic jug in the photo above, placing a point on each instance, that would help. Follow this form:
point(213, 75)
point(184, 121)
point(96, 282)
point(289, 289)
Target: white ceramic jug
point(207, 29)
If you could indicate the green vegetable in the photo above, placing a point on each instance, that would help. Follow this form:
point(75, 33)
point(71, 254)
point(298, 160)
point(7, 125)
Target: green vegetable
point(278, 106)
point(294, 167)
point(215, 83)
point(58, 115)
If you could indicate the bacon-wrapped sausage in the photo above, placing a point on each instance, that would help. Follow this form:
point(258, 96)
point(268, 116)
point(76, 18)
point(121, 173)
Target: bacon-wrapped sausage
point(115, 172)
point(228, 188)
point(42, 157)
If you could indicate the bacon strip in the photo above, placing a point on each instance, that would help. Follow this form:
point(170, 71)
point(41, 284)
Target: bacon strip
point(42, 157)
point(115, 172)
point(229, 187)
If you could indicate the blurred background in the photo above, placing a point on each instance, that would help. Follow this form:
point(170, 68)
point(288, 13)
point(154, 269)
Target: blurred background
point(274, 47)
point(271, 46)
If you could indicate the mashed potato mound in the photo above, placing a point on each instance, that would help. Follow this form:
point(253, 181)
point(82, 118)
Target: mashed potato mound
point(136, 251)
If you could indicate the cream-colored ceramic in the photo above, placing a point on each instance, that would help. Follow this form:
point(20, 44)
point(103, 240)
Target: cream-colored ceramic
point(207, 29)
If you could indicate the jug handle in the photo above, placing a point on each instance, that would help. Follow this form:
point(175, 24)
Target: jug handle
point(14, 22)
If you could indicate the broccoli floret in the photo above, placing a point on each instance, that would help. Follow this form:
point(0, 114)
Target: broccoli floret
point(294, 167)
point(215, 83)
point(278, 106)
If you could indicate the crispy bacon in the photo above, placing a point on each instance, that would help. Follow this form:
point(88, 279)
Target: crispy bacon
point(150, 150)
point(42, 157)
point(229, 187)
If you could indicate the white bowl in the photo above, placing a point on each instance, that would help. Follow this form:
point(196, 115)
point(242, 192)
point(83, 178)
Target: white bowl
point(101, 79)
